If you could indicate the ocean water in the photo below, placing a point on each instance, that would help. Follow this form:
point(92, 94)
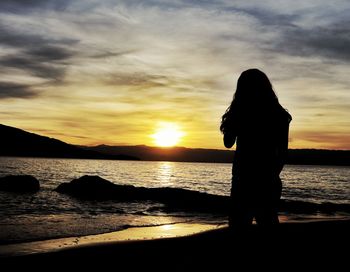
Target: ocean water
point(48, 214)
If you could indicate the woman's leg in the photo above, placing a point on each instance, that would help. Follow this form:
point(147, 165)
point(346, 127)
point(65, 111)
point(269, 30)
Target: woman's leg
point(267, 207)
point(241, 212)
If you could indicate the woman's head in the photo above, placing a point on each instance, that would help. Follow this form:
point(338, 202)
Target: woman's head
point(254, 87)
point(254, 96)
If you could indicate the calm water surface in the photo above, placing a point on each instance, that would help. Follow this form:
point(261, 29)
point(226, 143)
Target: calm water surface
point(50, 214)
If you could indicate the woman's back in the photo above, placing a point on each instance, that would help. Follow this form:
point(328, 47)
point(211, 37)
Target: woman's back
point(262, 140)
point(258, 124)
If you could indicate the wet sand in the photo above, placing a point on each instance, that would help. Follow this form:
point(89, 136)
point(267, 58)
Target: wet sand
point(134, 234)
point(310, 243)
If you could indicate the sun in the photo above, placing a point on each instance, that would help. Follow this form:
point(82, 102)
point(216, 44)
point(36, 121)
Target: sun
point(167, 135)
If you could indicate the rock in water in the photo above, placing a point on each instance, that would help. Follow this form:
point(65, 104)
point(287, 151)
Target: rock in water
point(19, 184)
point(97, 188)
point(94, 187)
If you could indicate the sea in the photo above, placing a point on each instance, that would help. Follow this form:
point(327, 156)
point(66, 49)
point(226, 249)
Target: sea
point(48, 214)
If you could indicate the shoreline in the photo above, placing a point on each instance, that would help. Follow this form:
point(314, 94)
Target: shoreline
point(315, 236)
point(283, 218)
point(131, 234)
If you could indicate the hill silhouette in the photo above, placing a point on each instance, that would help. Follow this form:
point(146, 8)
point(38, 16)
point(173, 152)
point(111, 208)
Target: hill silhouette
point(295, 156)
point(177, 154)
point(17, 142)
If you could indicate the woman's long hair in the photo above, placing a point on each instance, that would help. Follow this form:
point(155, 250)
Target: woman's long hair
point(254, 95)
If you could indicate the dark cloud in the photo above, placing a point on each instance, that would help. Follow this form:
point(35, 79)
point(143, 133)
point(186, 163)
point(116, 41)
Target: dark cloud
point(47, 62)
point(12, 38)
point(40, 56)
point(12, 90)
point(23, 3)
point(9, 37)
point(19, 6)
point(267, 17)
point(49, 53)
point(36, 55)
point(331, 42)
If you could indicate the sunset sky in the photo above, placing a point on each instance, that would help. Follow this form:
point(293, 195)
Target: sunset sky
point(94, 72)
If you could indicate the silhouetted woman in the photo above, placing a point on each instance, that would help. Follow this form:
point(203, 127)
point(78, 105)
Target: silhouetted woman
point(259, 126)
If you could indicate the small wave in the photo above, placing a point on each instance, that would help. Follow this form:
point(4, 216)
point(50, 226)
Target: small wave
point(295, 206)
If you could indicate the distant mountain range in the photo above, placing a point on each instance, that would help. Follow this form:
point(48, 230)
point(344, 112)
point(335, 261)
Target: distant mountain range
point(17, 142)
point(178, 154)
point(295, 156)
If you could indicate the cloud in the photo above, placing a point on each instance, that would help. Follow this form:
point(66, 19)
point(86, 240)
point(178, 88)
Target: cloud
point(116, 67)
point(48, 132)
point(325, 139)
point(38, 55)
point(303, 29)
point(47, 62)
point(142, 80)
point(20, 6)
point(20, 37)
point(104, 54)
point(331, 42)
point(12, 90)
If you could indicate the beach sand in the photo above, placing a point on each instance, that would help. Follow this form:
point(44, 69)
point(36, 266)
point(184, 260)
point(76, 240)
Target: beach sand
point(317, 243)
point(133, 234)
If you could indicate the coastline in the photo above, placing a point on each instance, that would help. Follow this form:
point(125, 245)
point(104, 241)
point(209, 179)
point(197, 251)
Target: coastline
point(131, 234)
point(197, 245)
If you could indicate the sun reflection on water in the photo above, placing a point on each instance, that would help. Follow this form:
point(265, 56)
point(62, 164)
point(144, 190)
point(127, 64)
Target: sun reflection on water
point(165, 172)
